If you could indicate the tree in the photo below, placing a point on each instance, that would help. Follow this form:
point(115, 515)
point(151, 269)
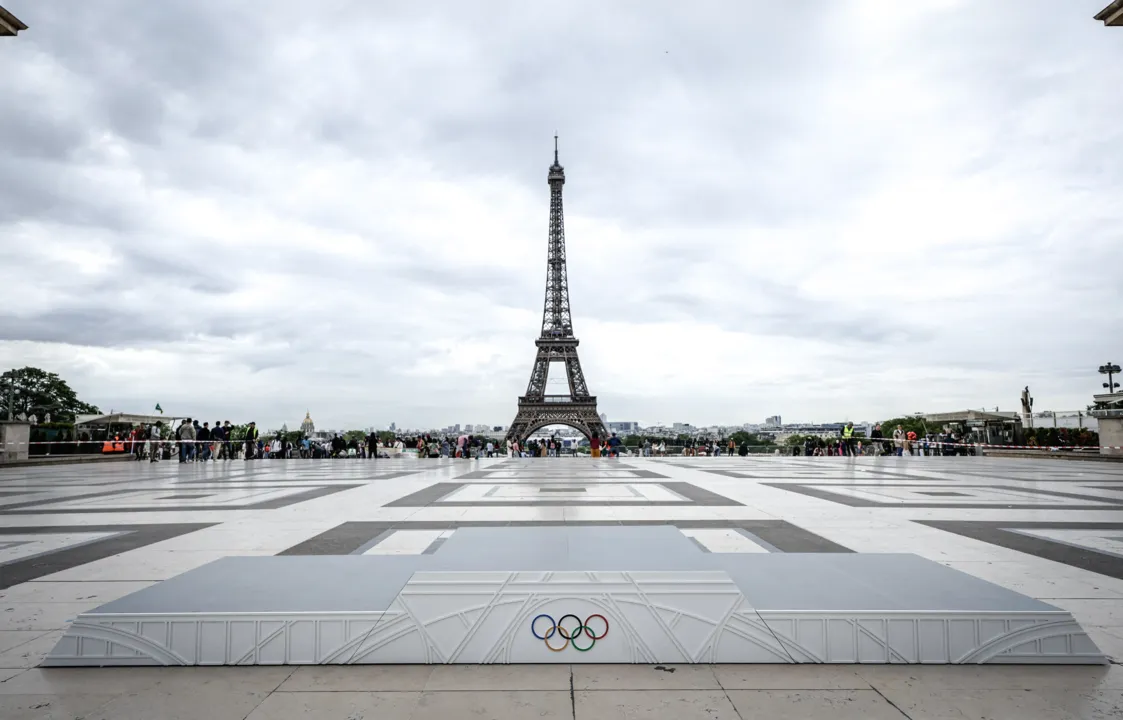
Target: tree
point(38, 392)
point(914, 423)
point(356, 435)
point(750, 439)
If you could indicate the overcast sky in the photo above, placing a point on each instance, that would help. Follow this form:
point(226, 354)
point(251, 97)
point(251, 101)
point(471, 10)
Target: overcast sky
point(824, 210)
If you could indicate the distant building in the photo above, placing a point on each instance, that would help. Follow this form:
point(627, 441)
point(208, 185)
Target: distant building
point(627, 427)
point(1074, 419)
point(1112, 15)
point(308, 427)
point(10, 25)
point(774, 421)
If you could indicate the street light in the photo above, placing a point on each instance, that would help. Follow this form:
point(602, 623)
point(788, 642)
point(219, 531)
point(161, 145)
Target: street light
point(1111, 370)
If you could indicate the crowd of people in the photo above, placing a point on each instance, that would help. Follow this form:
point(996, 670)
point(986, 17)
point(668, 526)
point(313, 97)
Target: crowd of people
point(899, 443)
point(192, 441)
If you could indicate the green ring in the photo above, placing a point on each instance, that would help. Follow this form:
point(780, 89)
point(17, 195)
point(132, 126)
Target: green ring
point(575, 646)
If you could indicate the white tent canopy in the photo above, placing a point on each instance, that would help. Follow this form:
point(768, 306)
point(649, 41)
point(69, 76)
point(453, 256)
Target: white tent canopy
point(122, 418)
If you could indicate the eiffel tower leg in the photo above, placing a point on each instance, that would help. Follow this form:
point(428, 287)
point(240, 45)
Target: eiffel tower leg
point(534, 415)
point(538, 376)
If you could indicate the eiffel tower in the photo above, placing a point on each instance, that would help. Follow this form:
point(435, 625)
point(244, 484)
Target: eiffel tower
point(556, 344)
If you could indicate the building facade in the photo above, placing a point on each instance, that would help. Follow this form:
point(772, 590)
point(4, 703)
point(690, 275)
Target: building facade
point(10, 25)
point(1112, 15)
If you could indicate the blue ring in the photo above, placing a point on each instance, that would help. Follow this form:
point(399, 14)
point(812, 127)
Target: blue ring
point(553, 626)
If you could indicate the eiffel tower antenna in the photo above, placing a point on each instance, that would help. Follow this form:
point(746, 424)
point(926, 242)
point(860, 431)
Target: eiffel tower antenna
point(556, 344)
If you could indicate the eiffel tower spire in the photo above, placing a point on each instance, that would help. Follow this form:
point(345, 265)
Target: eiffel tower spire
point(556, 344)
point(556, 318)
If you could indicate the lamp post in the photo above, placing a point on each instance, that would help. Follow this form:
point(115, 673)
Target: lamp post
point(1111, 370)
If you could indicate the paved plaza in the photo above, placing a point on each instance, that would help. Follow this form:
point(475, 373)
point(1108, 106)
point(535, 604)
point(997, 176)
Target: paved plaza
point(76, 537)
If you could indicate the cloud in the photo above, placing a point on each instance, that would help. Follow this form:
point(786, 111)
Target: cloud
point(823, 212)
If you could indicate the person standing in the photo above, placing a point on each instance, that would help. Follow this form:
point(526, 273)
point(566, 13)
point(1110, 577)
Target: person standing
point(594, 445)
point(899, 441)
point(204, 438)
point(877, 439)
point(251, 441)
point(614, 445)
point(217, 439)
point(185, 434)
point(848, 439)
point(154, 441)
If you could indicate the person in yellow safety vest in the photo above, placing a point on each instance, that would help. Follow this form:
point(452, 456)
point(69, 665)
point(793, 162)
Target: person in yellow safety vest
point(848, 438)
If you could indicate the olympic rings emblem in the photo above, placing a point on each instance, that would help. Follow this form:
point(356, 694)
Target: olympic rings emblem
point(569, 635)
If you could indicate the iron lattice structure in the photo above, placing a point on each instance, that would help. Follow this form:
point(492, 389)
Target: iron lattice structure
point(556, 344)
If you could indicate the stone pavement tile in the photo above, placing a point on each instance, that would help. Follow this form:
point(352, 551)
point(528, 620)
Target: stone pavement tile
point(9, 673)
point(78, 681)
point(922, 703)
point(814, 704)
point(503, 705)
point(337, 706)
point(144, 565)
point(14, 638)
point(655, 705)
point(498, 677)
point(644, 677)
point(184, 704)
point(1094, 705)
point(1102, 613)
point(33, 616)
point(1108, 639)
point(255, 679)
point(789, 677)
point(50, 707)
point(69, 592)
point(113, 681)
point(993, 677)
point(31, 653)
point(357, 678)
point(1038, 580)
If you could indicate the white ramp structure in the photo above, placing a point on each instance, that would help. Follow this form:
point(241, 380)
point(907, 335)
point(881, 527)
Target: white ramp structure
point(573, 594)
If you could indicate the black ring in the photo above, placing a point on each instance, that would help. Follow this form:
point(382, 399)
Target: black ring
point(576, 630)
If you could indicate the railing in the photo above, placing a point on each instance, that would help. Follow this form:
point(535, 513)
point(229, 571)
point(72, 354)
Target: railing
point(556, 399)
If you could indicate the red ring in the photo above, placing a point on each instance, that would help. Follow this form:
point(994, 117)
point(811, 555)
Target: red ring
point(589, 632)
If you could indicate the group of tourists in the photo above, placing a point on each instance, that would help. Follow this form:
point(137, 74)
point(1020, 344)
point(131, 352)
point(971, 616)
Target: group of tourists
point(191, 441)
point(901, 442)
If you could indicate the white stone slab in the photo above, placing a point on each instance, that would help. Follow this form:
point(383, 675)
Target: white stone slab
point(723, 540)
point(482, 616)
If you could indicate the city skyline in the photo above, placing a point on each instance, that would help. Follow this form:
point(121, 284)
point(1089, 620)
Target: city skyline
point(847, 212)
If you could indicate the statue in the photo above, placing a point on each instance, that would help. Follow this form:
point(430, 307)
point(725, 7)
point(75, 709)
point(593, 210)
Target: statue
point(1027, 402)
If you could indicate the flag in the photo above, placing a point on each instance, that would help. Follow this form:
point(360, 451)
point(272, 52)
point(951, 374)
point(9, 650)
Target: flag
point(159, 409)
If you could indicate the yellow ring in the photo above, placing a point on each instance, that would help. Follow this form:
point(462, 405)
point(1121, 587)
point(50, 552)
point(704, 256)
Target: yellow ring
point(556, 649)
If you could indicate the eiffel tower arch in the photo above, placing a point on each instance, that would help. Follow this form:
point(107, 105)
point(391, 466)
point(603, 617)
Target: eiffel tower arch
point(556, 344)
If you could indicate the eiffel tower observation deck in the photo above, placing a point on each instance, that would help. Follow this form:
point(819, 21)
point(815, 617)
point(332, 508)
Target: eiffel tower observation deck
point(556, 344)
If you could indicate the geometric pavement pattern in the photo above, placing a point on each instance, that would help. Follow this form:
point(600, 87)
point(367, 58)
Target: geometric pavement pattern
point(73, 537)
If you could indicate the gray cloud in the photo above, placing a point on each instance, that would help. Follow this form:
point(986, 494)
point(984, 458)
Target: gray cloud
point(350, 216)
